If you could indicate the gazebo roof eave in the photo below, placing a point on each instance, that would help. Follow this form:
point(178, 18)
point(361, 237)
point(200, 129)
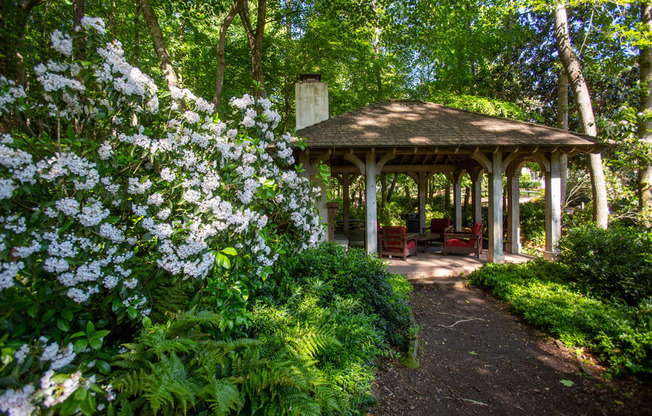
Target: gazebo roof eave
point(460, 149)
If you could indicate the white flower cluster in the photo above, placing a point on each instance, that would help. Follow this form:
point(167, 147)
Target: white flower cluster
point(18, 402)
point(23, 402)
point(125, 78)
point(61, 43)
point(95, 23)
point(9, 93)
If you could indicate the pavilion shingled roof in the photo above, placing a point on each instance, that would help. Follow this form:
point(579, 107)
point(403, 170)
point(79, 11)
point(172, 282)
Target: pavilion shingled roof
point(410, 123)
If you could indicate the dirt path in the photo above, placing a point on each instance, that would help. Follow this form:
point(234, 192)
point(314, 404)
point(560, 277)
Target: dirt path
point(477, 359)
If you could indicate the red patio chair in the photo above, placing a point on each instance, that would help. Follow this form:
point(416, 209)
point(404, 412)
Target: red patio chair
point(438, 226)
point(464, 242)
point(395, 243)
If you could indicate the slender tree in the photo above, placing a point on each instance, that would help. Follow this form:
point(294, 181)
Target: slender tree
point(255, 39)
point(219, 82)
point(645, 126)
point(78, 7)
point(164, 59)
point(562, 123)
point(585, 112)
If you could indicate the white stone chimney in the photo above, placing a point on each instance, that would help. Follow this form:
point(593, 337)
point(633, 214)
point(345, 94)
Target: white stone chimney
point(311, 96)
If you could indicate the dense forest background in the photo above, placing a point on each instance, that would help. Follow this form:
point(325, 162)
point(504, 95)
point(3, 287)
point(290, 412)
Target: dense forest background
point(493, 56)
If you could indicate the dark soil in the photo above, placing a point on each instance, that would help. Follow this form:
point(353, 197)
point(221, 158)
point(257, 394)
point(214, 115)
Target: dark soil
point(475, 358)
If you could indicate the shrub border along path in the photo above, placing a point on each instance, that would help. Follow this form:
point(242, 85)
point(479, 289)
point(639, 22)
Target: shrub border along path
point(476, 358)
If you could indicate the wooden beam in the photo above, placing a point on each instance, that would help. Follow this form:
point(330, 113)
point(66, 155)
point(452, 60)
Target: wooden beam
point(399, 169)
point(350, 157)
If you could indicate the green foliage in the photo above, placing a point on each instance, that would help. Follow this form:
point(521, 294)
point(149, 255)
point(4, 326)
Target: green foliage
point(532, 221)
point(525, 182)
point(316, 326)
point(177, 368)
point(612, 264)
point(483, 105)
point(341, 339)
point(345, 306)
point(390, 213)
point(350, 274)
point(620, 335)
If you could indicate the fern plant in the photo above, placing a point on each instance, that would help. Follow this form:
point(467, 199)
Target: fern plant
point(177, 369)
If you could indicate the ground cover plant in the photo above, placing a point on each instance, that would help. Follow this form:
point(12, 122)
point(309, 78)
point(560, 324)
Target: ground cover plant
point(137, 225)
point(547, 296)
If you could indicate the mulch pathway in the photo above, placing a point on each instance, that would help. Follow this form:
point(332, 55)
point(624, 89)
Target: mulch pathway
point(476, 358)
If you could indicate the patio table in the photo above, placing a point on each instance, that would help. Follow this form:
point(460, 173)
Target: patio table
point(426, 238)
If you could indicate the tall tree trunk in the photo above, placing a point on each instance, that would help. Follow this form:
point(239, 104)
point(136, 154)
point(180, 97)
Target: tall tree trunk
point(13, 20)
point(562, 123)
point(645, 127)
point(255, 39)
point(219, 82)
point(164, 59)
point(78, 7)
point(585, 112)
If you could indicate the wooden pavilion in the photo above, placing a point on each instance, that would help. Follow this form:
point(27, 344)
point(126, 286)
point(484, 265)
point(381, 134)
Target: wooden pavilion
point(421, 138)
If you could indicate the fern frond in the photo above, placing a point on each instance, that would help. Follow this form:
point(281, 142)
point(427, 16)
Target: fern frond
point(223, 396)
point(168, 382)
point(190, 320)
point(160, 343)
point(131, 383)
point(311, 343)
point(298, 402)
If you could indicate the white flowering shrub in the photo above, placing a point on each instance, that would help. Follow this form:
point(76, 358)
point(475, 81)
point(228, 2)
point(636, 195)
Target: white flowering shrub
point(114, 193)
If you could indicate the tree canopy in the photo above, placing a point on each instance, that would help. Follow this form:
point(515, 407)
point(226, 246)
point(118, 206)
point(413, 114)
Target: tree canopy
point(492, 56)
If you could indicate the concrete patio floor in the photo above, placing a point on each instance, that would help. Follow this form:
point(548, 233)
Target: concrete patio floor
point(434, 267)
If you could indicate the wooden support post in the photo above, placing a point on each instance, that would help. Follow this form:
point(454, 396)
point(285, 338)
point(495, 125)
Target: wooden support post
point(476, 179)
point(422, 184)
point(372, 214)
point(457, 199)
point(495, 253)
point(310, 171)
point(345, 181)
point(346, 203)
point(553, 205)
point(513, 213)
point(564, 178)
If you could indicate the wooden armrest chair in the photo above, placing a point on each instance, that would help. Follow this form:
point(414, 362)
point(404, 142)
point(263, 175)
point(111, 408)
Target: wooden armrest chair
point(464, 242)
point(438, 226)
point(394, 243)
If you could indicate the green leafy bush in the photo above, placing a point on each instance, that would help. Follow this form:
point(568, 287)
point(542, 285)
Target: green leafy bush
point(621, 335)
point(344, 307)
point(610, 264)
point(350, 274)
